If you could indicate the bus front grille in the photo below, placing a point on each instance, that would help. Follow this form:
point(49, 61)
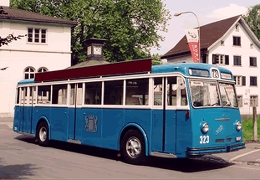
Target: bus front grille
point(229, 139)
point(219, 140)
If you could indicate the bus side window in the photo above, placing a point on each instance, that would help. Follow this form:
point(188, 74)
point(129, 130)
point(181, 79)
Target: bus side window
point(93, 93)
point(44, 95)
point(17, 95)
point(78, 94)
point(158, 89)
point(59, 94)
point(137, 91)
point(184, 101)
point(171, 91)
point(113, 92)
point(24, 95)
point(32, 95)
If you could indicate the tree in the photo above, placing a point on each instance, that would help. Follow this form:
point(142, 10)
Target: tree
point(156, 59)
point(9, 38)
point(130, 26)
point(253, 19)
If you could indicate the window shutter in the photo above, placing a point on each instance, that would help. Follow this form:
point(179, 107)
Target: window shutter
point(213, 58)
point(243, 80)
point(227, 59)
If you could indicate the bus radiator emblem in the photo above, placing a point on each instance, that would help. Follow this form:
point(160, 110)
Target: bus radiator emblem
point(91, 123)
point(219, 129)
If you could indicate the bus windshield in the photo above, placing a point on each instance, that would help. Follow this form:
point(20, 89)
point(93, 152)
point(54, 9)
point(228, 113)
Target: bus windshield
point(205, 93)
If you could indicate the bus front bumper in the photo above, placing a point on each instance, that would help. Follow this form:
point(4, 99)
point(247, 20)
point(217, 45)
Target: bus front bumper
point(191, 152)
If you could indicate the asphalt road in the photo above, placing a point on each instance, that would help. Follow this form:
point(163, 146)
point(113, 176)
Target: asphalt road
point(21, 158)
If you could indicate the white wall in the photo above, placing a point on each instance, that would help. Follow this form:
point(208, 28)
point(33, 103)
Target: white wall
point(58, 37)
point(244, 70)
point(18, 55)
point(5, 3)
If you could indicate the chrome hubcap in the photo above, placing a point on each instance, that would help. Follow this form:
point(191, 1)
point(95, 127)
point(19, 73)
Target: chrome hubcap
point(43, 134)
point(133, 147)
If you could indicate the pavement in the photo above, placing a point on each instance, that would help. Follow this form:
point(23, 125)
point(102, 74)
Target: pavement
point(250, 155)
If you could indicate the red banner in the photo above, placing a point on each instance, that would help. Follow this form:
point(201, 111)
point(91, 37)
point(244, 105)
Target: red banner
point(193, 41)
point(194, 49)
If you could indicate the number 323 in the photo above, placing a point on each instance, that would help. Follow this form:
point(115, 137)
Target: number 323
point(204, 139)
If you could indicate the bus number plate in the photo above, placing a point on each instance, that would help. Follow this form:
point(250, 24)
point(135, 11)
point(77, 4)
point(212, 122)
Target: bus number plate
point(204, 139)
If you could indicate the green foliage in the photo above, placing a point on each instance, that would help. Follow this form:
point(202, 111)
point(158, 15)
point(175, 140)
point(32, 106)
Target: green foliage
point(156, 59)
point(248, 129)
point(253, 19)
point(130, 26)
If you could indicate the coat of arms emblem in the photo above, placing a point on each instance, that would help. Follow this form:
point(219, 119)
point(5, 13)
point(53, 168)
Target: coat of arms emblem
point(91, 123)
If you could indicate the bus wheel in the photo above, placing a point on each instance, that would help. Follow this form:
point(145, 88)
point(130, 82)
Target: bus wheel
point(133, 147)
point(43, 134)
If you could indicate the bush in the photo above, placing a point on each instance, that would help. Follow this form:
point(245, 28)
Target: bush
point(248, 129)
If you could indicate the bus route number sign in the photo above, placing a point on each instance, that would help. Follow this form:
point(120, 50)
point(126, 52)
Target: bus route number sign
point(215, 73)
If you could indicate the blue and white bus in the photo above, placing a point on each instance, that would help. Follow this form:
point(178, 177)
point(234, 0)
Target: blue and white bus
point(171, 110)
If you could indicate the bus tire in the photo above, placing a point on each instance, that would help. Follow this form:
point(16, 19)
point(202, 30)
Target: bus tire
point(43, 134)
point(133, 147)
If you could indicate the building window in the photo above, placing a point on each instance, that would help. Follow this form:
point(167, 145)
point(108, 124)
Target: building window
point(42, 69)
point(237, 60)
point(253, 81)
point(254, 100)
point(37, 35)
point(240, 100)
point(236, 41)
point(253, 61)
point(220, 59)
point(240, 80)
point(29, 73)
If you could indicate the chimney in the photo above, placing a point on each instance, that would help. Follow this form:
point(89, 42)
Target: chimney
point(5, 3)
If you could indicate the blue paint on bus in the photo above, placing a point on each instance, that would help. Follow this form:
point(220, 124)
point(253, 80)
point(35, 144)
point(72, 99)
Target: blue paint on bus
point(169, 131)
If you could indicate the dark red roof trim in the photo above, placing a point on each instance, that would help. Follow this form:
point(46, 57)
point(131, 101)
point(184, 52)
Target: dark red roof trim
point(127, 67)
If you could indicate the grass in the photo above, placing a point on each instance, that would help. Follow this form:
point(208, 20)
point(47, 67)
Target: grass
point(248, 129)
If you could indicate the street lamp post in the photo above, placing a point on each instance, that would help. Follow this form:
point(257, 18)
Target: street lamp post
point(186, 12)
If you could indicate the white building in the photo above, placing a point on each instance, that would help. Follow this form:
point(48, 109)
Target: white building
point(46, 47)
point(229, 43)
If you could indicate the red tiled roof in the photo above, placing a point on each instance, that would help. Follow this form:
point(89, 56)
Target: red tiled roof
point(22, 15)
point(209, 34)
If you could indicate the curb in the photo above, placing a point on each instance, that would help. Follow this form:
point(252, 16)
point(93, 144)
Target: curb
point(252, 163)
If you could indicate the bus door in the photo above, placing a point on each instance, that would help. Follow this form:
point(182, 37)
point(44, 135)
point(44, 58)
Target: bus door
point(23, 103)
point(75, 108)
point(28, 109)
point(166, 99)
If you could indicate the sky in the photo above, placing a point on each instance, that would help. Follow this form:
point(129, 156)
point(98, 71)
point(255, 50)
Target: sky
point(206, 11)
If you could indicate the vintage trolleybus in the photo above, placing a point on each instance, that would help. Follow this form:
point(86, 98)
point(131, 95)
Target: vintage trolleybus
point(171, 110)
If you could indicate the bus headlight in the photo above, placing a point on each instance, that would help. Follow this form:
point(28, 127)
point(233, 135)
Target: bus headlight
point(238, 126)
point(205, 127)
